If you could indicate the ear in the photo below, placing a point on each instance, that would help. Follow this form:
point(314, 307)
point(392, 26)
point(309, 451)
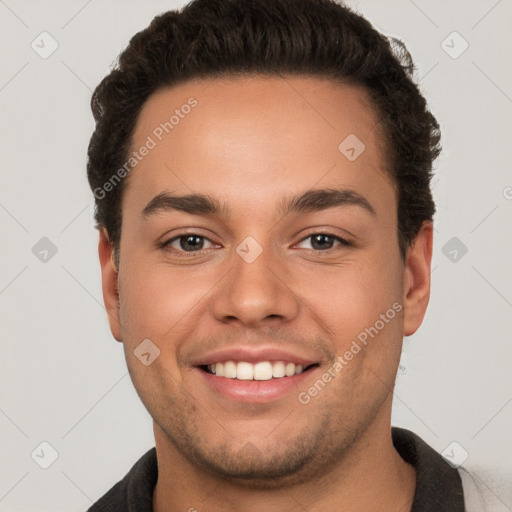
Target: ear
point(109, 275)
point(417, 279)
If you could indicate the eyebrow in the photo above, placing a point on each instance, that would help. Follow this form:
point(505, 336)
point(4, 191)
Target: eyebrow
point(310, 201)
point(322, 199)
point(196, 204)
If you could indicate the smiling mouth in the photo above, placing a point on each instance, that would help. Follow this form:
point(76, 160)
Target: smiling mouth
point(264, 370)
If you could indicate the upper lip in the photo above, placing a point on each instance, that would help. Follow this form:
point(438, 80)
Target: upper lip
point(254, 355)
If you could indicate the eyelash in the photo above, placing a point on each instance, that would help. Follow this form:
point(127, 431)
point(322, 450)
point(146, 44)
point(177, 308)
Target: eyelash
point(343, 241)
point(165, 245)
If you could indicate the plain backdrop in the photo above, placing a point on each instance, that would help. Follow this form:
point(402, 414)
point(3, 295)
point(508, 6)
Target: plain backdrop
point(63, 378)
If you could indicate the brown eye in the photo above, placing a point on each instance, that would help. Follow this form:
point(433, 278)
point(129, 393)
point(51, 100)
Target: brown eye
point(322, 242)
point(188, 243)
point(191, 242)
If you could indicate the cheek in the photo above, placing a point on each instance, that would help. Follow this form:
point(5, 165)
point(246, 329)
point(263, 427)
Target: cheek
point(360, 307)
point(352, 296)
point(155, 300)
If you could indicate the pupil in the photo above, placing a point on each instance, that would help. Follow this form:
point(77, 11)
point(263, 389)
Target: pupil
point(322, 242)
point(192, 242)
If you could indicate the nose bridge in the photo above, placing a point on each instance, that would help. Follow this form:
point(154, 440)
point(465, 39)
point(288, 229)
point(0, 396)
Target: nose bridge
point(254, 290)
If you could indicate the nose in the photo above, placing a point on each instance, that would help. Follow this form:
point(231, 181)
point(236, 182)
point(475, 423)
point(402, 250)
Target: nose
point(255, 293)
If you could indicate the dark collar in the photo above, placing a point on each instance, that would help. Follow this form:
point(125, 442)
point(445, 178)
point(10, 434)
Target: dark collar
point(134, 493)
point(438, 486)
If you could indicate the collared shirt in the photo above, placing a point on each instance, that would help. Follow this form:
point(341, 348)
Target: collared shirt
point(438, 485)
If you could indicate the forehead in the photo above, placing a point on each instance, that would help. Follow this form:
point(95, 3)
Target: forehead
point(247, 137)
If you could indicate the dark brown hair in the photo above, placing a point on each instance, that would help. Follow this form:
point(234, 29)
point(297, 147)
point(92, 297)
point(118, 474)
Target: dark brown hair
point(213, 38)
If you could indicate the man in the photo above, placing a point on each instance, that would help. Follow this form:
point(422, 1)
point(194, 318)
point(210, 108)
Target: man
point(261, 172)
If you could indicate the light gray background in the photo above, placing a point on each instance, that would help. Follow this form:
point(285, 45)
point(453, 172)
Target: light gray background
point(63, 378)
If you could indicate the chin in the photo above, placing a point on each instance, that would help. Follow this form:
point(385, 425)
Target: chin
point(265, 464)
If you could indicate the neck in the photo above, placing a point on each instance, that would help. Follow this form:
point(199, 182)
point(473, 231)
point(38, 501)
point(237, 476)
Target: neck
point(371, 476)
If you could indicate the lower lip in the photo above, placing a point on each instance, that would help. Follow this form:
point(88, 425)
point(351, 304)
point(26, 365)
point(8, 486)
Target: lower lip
point(255, 391)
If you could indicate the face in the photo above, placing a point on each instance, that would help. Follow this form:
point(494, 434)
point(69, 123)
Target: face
point(259, 255)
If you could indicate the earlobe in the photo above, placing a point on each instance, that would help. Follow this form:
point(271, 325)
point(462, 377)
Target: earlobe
point(417, 279)
point(109, 275)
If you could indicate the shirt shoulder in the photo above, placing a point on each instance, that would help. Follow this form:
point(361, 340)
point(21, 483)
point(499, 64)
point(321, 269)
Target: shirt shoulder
point(134, 493)
point(438, 485)
point(485, 492)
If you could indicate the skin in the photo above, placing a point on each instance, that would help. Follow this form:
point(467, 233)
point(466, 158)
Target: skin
point(250, 143)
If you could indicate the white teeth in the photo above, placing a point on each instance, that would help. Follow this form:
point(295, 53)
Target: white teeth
point(289, 370)
point(244, 371)
point(278, 369)
point(264, 370)
point(230, 370)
